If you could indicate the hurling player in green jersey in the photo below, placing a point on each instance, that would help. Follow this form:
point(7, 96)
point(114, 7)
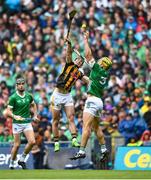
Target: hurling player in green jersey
point(99, 77)
point(19, 110)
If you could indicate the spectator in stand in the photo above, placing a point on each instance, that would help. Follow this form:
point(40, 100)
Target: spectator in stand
point(5, 136)
point(147, 116)
point(145, 108)
point(38, 150)
point(126, 127)
point(131, 127)
point(146, 138)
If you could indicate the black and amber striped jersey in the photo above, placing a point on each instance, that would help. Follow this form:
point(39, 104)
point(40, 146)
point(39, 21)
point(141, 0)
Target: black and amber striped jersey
point(69, 76)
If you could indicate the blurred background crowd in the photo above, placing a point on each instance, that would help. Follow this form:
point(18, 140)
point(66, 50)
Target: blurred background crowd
point(32, 41)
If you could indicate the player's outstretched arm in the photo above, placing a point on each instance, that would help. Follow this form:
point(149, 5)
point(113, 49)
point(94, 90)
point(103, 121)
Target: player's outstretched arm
point(88, 53)
point(85, 79)
point(69, 51)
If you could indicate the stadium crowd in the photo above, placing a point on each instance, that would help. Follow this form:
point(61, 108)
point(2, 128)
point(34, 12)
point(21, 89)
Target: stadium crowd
point(32, 41)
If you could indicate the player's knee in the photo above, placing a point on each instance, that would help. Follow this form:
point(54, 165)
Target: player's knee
point(55, 122)
point(71, 118)
point(86, 126)
point(95, 128)
point(32, 142)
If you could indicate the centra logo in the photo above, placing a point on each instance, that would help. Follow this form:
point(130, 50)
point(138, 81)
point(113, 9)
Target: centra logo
point(135, 158)
point(5, 159)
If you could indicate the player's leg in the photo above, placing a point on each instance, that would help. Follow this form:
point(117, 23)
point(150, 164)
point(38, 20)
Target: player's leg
point(92, 105)
point(14, 149)
point(29, 134)
point(56, 100)
point(91, 110)
point(86, 132)
point(98, 130)
point(69, 110)
point(87, 126)
point(100, 136)
point(55, 123)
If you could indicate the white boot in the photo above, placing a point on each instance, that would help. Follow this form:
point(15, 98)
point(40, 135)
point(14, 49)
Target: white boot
point(11, 165)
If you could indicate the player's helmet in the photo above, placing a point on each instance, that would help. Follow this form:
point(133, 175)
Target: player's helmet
point(79, 61)
point(20, 79)
point(105, 62)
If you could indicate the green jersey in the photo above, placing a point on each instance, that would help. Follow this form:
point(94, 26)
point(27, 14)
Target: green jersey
point(20, 105)
point(99, 80)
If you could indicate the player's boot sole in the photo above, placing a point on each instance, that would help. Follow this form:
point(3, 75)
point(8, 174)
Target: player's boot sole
point(22, 164)
point(104, 156)
point(78, 156)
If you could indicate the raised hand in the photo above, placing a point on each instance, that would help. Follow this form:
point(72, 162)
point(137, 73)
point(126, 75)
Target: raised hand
point(86, 35)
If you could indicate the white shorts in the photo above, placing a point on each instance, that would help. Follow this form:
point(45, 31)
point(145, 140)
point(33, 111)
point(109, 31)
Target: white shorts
point(19, 128)
point(58, 100)
point(94, 106)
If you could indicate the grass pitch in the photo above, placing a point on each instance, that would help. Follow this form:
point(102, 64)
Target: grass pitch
point(73, 174)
